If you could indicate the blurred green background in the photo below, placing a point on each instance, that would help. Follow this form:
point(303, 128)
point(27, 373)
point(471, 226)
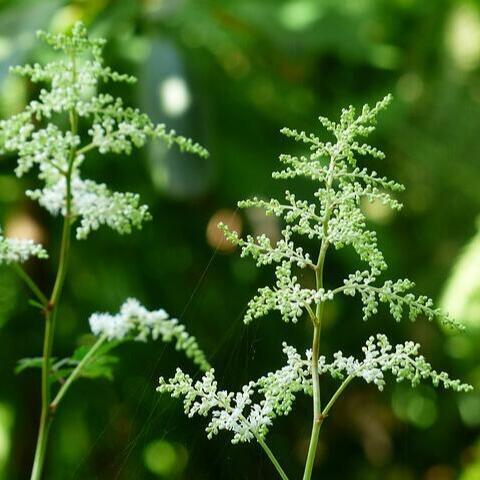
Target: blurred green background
point(231, 74)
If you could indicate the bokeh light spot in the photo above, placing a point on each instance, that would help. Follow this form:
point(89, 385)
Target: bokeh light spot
point(410, 87)
point(24, 226)
point(472, 472)
point(463, 36)
point(164, 458)
point(440, 472)
point(174, 96)
point(215, 236)
point(299, 14)
point(6, 421)
point(415, 406)
point(6, 47)
point(65, 18)
point(13, 95)
point(461, 297)
point(377, 212)
point(469, 406)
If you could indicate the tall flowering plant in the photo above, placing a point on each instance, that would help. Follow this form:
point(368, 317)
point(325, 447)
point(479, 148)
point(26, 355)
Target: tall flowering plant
point(54, 136)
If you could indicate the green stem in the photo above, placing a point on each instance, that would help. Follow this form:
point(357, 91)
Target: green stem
point(317, 405)
point(317, 329)
point(45, 422)
point(337, 394)
point(30, 284)
point(73, 376)
point(47, 412)
point(318, 415)
point(46, 416)
point(272, 457)
point(265, 447)
point(317, 399)
point(86, 148)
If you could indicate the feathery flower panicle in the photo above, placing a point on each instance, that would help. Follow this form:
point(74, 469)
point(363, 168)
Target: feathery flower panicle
point(17, 250)
point(402, 361)
point(135, 321)
point(95, 205)
point(333, 218)
point(250, 412)
point(70, 91)
point(237, 412)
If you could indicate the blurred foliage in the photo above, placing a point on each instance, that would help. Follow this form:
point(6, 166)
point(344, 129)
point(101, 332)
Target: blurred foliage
point(231, 74)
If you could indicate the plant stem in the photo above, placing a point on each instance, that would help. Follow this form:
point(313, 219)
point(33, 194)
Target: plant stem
point(318, 416)
point(317, 405)
point(51, 312)
point(41, 446)
point(73, 376)
point(86, 148)
point(50, 320)
point(30, 284)
point(272, 457)
point(337, 394)
point(317, 400)
point(265, 447)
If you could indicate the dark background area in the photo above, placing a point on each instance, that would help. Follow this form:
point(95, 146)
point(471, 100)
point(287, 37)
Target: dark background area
point(230, 74)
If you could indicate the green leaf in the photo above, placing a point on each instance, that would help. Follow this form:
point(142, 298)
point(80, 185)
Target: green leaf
point(56, 371)
point(36, 304)
point(101, 365)
point(25, 363)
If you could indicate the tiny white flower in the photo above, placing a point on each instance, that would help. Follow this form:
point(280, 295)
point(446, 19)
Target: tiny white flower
point(136, 322)
point(15, 250)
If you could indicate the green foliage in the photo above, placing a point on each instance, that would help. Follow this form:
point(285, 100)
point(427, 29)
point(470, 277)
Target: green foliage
point(26, 363)
point(99, 366)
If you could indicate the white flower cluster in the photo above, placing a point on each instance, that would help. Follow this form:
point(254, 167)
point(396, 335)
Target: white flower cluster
point(348, 227)
point(94, 204)
point(134, 321)
point(237, 412)
point(261, 249)
point(246, 418)
point(71, 85)
point(335, 218)
point(299, 214)
point(117, 129)
point(16, 250)
point(396, 295)
point(287, 297)
point(402, 361)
